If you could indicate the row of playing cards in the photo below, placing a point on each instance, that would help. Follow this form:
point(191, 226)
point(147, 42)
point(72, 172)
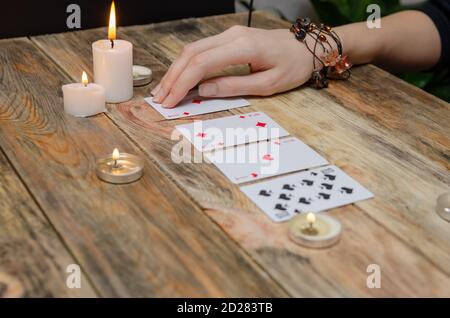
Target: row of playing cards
point(309, 191)
point(252, 146)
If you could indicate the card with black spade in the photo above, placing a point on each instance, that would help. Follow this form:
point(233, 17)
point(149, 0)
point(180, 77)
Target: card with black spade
point(193, 105)
point(309, 191)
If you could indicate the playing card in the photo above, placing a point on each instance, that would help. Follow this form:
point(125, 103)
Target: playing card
point(231, 131)
point(309, 191)
point(265, 159)
point(193, 105)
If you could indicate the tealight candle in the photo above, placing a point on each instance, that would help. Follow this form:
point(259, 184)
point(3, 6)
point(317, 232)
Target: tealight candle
point(120, 168)
point(84, 99)
point(443, 206)
point(142, 75)
point(113, 64)
point(315, 231)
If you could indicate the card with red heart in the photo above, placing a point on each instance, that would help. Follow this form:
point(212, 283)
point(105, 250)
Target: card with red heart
point(231, 131)
point(265, 159)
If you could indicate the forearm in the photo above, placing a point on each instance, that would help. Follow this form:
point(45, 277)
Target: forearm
point(406, 41)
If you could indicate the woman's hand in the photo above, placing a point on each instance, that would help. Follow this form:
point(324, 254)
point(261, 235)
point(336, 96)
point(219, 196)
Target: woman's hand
point(278, 63)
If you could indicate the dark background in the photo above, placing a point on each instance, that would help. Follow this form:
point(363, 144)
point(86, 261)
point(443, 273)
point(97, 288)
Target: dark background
point(28, 17)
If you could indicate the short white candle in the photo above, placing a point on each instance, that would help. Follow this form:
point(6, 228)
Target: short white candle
point(113, 64)
point(120, 168)
point(84, 99)
point(315, 231)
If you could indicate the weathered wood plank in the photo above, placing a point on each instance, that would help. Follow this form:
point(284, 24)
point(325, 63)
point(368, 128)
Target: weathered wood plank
point(422, 119)
point(395, 230)
point(143, 239)
point(32, 256)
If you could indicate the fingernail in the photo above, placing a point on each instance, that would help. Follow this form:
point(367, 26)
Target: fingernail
point(156, 89)
point(208, 90)
point(167, 105)
point(167, 102)
point(159, 95)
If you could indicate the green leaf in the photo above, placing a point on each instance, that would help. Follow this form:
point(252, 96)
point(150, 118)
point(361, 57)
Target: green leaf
point(418, 79)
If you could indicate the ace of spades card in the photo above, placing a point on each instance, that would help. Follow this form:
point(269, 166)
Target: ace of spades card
point(308, 191)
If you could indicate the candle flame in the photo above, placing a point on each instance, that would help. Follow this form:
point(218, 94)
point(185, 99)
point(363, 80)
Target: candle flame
point(311, 218)
point(116, 154)
point(84, 79)
point(112, 23)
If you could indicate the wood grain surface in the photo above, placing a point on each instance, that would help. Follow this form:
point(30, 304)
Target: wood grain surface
point(33, 260)
point(143, 239)
point(391, 137)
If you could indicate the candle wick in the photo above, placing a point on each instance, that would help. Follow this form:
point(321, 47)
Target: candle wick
point(112, 44)
point(310, 229)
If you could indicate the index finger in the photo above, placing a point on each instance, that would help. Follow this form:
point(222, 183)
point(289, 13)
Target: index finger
point(184, 58)
point(205, 63)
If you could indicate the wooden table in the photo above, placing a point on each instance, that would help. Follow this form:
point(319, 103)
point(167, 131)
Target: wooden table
point(184, 230)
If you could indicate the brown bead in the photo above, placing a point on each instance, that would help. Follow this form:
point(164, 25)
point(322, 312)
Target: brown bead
point(305, 21)
point(301, 35)
point(319, 79)
point(322, 37)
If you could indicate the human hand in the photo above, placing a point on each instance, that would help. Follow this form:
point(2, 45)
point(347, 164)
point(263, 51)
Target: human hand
point(278, 63)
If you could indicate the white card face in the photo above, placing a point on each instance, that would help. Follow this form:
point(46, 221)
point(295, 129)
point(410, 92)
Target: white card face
point(231, 131)
point(193, 105)
point(309, 191)
point(265, 159)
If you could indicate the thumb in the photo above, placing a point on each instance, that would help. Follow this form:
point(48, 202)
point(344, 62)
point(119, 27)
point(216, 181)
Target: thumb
point(261, 83)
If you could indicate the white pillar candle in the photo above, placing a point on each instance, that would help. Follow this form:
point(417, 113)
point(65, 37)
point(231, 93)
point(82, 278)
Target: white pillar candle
point(113, 65)
point(84, 99)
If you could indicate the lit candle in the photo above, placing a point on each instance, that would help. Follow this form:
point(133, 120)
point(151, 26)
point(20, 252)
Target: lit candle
point(113, 64)
point(315, 231)
point(84, 99)
point(115, 157)
point(120, 168)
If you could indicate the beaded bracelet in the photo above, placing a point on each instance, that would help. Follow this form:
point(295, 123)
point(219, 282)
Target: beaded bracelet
point(333, 63)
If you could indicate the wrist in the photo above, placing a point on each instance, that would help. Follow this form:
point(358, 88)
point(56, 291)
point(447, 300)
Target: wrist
point(329, 60)
point(362, 44)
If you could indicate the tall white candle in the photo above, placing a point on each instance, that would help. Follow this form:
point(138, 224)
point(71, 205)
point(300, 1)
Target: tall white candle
point(84, 99)
point(113, 64)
